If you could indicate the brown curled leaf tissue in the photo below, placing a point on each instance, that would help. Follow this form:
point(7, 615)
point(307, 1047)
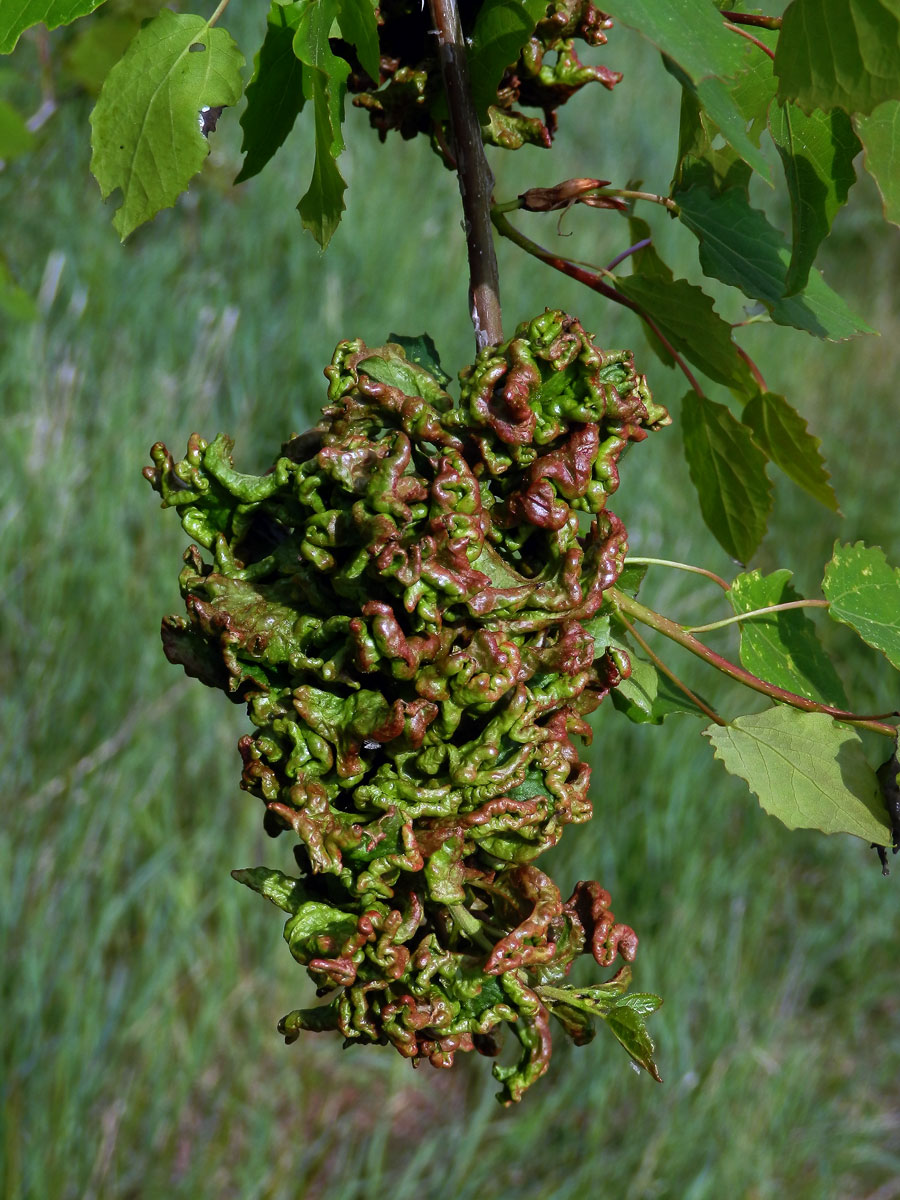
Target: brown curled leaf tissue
point(410, 602)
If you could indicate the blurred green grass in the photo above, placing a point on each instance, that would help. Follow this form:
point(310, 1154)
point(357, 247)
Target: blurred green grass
point(141, 986)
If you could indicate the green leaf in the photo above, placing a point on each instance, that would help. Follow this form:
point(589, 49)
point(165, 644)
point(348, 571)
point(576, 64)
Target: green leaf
point(700, 160)
point(18, 15)
point(729, 472)
point(628, 1027)
point(783, 647)
point(422, 351)
point(864, 593)
point(694, 39)
point(781, 432)
point(631, 578)
point(647, 697)
point(321, 206)
point(146, 136)
point(880, 136)
point(807, 770)
point(15, 136)
point(396, 371)
point(839, 54)
point(275, 93)
point(740, 247)
point(282, 890)
point(817, 153)
point(356, 20)
point(502, 28)
point(685, 315)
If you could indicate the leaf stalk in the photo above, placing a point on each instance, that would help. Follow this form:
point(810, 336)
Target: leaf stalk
point(623, 603)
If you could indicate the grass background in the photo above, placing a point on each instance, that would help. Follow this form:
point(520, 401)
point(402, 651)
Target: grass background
point(140, 985)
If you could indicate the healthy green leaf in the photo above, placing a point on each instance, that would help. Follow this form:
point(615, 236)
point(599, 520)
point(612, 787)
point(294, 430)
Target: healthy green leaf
point(700, 160)
point(693, 35)
point(864, 593)
point(880, 135)
point(627, 1025)
point(686, 317)
point(694, 40)
point(807, 770)
point(781, 432)
point(632, 577)
point(783, 647)
point(18, 15)
point(356, 20)
point(817, 153)
point(647, 697)
point(284, 891)
point(714, 98)
point(839, 54)
point(740, 247)
point(502, 28)
point(729, 472)
point(275, 93)
point(321, 206)
point(146, 137)
point(422, 351)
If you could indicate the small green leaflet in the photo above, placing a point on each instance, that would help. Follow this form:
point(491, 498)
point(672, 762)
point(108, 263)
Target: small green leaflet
point(18, 15)
point(694, 38)
point(715, 100)
point(783, 647)
point(275, 93)
point(880, 135)
point(321, 206)
point(146, 137)
point(817, 153)
point(780, 431)
point(632, 577)
point(839, 54)
point(740, 247)
point(807, 770)
point(864, 593)
point(729, 472)
point(627, 1026)
point(358, 26)
point(284, 891)
point(422, 351)
point(647, 697)
point(684, 314)
point(502, 28)
point(698, 162)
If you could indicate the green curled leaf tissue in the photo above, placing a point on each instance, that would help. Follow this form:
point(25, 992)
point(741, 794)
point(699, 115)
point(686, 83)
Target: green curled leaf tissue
point(410, 603)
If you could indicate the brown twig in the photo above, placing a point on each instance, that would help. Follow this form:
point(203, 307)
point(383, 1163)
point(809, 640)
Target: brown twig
point(627, 604)
point(476, 184)
point(592, 280)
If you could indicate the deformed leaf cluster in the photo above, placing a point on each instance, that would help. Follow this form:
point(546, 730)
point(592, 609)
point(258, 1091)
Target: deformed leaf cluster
point(408, 604)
